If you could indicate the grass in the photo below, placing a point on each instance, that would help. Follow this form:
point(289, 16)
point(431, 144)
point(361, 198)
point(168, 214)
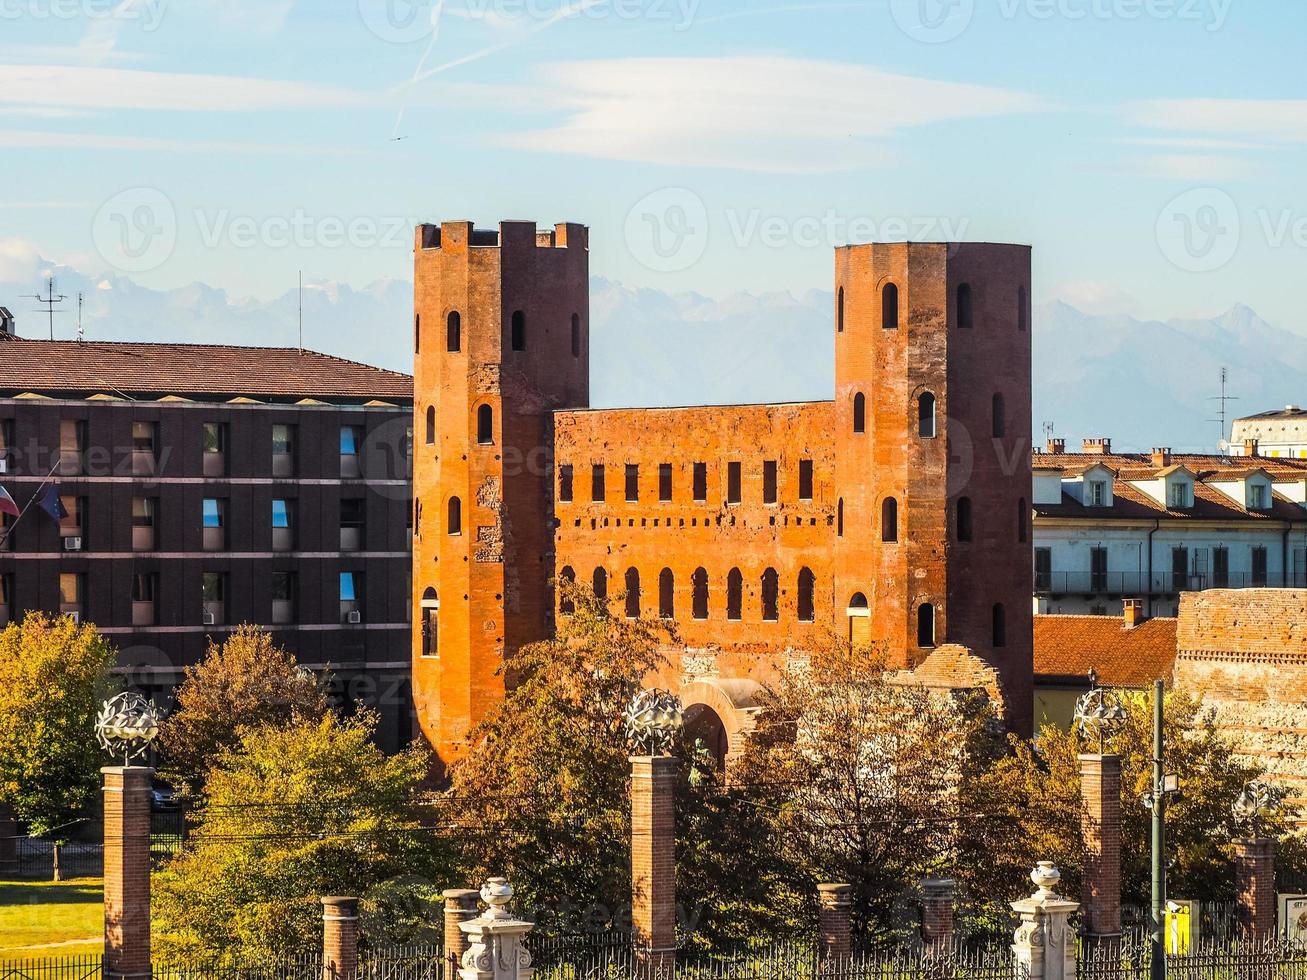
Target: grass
point(37, 913)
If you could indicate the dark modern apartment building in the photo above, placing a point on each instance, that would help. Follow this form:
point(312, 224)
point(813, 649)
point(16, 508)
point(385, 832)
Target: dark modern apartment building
point(208, 486)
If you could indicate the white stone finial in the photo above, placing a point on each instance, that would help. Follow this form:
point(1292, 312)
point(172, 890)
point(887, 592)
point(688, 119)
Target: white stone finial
point(497, 893)
point(1046, 876)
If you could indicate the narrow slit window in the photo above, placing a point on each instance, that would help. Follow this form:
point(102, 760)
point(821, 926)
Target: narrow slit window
point(769, 481)
point(565, 483)
point(664, 482)
point(889, 307)
point(632, 482)
point(805, 479)
point(519, 331)
point(889, 519)
point(666, 594)
point(454, 522)
point(964, 519)
point(859, 412)
point(734, 594)
point(964, 306)
point(454, 332)
point(770, 596)
point(700, 481)
point(597, 483)
point(700, 598)
point(807, 588)
point(485, 425)
point(732, 483)
point(926, 415)
point(632, 593)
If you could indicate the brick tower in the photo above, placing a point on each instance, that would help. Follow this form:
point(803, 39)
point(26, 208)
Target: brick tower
point(932, 454)
point(501, 337)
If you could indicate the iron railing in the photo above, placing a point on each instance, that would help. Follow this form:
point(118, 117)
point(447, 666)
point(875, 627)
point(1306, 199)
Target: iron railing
point(1158, 583)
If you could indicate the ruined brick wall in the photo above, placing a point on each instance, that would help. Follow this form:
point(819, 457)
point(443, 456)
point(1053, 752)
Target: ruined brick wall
point(513, 288)
point(684, 535)
point(1244, 652)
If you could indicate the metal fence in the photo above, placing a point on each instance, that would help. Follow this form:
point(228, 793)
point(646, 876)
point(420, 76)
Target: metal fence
point(1132, 960)
point(88, 967)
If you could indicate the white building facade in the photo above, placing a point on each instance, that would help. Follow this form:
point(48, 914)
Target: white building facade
point(1110, 527)
point(1281, 434)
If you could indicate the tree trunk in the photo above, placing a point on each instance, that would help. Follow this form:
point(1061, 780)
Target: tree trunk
point(58, 875)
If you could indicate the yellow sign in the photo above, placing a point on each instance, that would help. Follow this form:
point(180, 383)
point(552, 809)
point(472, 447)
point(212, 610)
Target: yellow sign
point(1181, 922)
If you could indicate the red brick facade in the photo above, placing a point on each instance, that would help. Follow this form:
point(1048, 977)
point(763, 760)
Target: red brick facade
point(1254, 882)
point(460, 906)
point(937, 911)
point(1100, 823)
point(898, 513)
point(653, 860)
point(340, 938)
point(127, 871)
point(834, 922)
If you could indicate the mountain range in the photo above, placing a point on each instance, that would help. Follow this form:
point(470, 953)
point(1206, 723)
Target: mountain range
point(1143, 383)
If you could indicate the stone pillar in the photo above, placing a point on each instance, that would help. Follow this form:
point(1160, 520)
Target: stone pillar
point(834, 928)
point(496, 950)
point(653, 860)
point(8, 842)
point(937, 912)
point(340, 938)
point(1045, 944)
point(127, 871)
point(1100, 825)
point(460, 907)
point(1254, 874)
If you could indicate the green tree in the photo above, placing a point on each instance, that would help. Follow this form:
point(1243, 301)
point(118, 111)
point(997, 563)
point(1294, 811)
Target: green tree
point(54, 675)
point(1033, 796)
point(865, 781)
point(245, 682)
point(295, 812)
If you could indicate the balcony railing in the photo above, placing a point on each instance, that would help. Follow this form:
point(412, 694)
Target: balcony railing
point(1159, 583)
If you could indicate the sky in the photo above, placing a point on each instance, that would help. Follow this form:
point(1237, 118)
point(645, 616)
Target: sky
point(1150, 150)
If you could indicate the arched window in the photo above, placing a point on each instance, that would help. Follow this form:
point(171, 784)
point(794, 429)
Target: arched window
point(807, 584)
point(964, 518)
point(839, 518)
point(430, 623)
point(632, 593)
point(576, 335)
point(925, 625)
point(859, 412)
point(599, 583)
point(858, 601)
point(839, 311)
point(926, 415)
point(1023, 309)
point(1000, 625)
point(999, 411)
point(417, 332)
point(734, 594)
point(519, 330)
point(666, 594)
point(454, 332)
point(485, 425)
point(770, 596)
point(889, 519)
point(889, 306)
point(431, 425)
point(566, 605)
point(1023, 520)
point(964, 306)
point(454, 521)
point(699, 580)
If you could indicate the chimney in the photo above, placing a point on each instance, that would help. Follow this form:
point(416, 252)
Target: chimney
point(7, 323)
point(1250, 447)
point(1100, 445)
point(1162, 457)
point(1057, 445)
point(1134, 612)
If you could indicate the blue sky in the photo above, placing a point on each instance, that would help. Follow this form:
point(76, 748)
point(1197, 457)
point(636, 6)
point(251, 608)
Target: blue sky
point(1150, 150)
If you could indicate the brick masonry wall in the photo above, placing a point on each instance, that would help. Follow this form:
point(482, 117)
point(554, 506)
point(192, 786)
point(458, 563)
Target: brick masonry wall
point(340, 938)
point(1100, 821)
point(1254, 870)
point(653, 859)
point(937, 911)
point(127, 871)
point(460, 906)
point(1244, 652)
point(834, 925)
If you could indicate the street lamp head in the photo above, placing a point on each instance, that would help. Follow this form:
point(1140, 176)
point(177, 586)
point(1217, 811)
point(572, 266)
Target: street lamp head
point(1100, 715)
point(127, 724)
point(654, 721)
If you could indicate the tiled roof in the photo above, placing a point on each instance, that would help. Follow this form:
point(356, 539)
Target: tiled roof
point(197, 370)
point(1070, 646)
point(1205, 465)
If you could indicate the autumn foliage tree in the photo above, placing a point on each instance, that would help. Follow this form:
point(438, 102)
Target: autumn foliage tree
point(246, 681)
point(54, 674)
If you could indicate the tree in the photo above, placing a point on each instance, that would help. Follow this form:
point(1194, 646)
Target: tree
point(54, 674)
point(294, 812)
point(865, 781)
point(247, 681)
point(1034, 795)
point(544, 784)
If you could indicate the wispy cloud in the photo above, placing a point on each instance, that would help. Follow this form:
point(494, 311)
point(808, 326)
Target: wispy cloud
point(1274, 120)
point(29, 139)
point(78, 86)
point(775, 114)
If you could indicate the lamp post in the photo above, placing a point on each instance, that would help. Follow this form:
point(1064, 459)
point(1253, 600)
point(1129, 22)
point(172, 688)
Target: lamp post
point(1155, 800)
point(1100, 716)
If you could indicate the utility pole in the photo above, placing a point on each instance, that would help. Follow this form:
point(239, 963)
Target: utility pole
point(1157, 931)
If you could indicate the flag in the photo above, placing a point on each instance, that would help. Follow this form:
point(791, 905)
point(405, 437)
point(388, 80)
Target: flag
point(49, 502)
point(7, 505)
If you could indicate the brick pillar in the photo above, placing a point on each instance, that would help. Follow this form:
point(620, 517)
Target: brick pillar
point(460, 906)
point(1254, 875)
point(653, 860)
point(834, 930)
point(127, 871)
point(937, 911)
point(8, 842)
point(1100, 824)
point(340, 938)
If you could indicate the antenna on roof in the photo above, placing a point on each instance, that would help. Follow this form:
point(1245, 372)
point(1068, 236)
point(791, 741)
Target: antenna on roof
point(81, 334)
point(1222, 399)
point(49, 301)
point(301, 311)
